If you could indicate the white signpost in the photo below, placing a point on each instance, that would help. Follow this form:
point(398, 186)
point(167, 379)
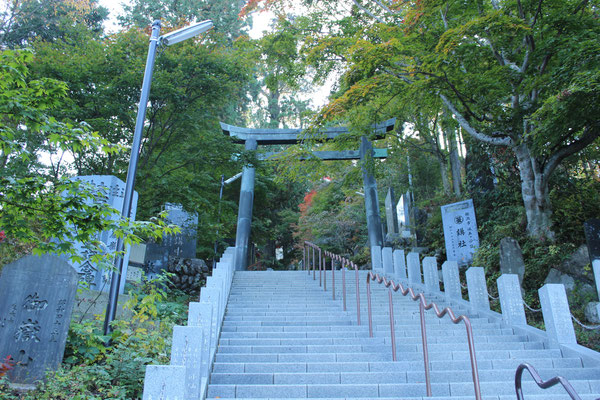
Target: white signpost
point(460, 231)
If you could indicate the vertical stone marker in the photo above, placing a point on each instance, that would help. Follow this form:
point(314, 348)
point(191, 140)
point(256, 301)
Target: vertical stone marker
point(35, 312)
point(111, 190)
point(414, 268)
point(511, 258)
point(477, 288)
point(591, 228)
point(557, 315)
point(511, 299)
point(460, 231)
point(388, 260)
point(451, 276)
point(391, 215)
point(186, 351)
point(430, 274)
point(399, 264)
point(376, 262)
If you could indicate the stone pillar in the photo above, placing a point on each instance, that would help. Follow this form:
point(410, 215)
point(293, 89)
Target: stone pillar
point(399, 264)
point(477, 288)
point(511, 299)
point(414, 268)
point(164, 382)
point(596, 269)
point(242, 236)
point(557, 315)
point(388, 261)
point(371, 197)
point(431, 275)
point(201, 314)
point(451, 276)
point(391, 216)
point(186, 351)
point(376, 263)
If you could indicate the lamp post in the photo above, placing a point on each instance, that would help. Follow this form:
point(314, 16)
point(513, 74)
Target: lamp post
point(168, 39)
point(223, 183)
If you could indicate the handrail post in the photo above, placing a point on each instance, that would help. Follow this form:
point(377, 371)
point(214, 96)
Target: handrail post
point(324, 271)
point(357, 294)
point(369, 304)
point(344, 284)
point(304, 258)
point(474, 369)
point(425, 348)
point(320, 276)
point(392, 327)
point(313, 263)
point(332, 277)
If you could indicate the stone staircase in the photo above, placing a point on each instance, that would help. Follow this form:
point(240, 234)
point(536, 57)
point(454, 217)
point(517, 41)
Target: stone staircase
point(283, 336)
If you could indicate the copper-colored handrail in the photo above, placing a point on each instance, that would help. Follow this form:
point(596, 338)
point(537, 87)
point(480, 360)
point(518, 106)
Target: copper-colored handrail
point(541, 383)
point(422, 307)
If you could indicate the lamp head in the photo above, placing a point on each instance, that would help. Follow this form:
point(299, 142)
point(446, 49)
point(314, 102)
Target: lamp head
point(185, 33)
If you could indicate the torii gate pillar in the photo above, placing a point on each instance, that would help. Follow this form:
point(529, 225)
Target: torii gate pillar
point(244, 222)
point(371, 197)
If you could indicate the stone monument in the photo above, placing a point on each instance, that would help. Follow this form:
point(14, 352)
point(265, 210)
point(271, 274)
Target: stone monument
point(110, 190)
point(390, 212)
point(35, 312)
point(460, 231)
point(511, 258)
point(181, 245)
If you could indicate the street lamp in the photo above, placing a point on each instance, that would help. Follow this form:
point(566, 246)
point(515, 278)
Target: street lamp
point(168, 39)
point(223, 183)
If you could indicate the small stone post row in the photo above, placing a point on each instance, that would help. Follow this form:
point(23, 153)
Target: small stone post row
point(194, 345)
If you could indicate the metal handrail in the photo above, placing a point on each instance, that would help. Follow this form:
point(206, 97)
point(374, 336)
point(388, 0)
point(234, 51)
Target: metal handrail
point(422, 307)
point(541, 383)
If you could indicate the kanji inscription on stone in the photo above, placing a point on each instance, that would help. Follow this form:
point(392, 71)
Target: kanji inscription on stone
point(38, 294)
point(460, 231)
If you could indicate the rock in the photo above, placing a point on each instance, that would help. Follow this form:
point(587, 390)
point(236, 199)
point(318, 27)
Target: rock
point(556, 276)
point(575, 265)
point(511, 258)
point(591, 312)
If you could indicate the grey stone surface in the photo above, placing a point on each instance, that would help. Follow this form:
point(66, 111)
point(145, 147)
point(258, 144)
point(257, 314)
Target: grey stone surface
point(180, 245)
point(557, 316)
point(413, 264)
point(460, 231)
point(376, 261)
point(591, 228)
point(374, 226)
point(390, 212)
point(388, 260)
point(511, 258)
point(110, 190)
point(35, 312)
point(91, 304)
point(511, 299)
point(186, 351)
point(164, 382)
point(399, 264)
point(430, 274)
point(596, 269)
point(477, 288)
point(592, 312)
point(403, 210)
point(137, 254)
point(201, 315)
point(244, 220)
point(134, 274)
point(450, 272)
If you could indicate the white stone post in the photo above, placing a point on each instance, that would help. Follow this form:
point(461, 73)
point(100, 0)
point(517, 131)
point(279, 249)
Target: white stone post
point(452, 289)
point(511, 299)
point(376, 259)
point(186, 351)
point(399, 264)
point(557, 315)
point(388, 261)
point(414, 268)
point(164, 382)
point(430, 274)
point(201, 314)
point(477, 289)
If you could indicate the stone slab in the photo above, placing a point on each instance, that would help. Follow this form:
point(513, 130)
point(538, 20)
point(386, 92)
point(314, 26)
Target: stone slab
point(477, 289)
point(511, 258)
point(452, 288)
point(557, 315)
point(511, 299)
point(388, 260)
point(399, 264)
point(591, 227)
point(413, 264)
point(430, 274)
point(460, 231)
point(376, 260)
point(35, 312)
point(186, 351)
point(390, 212)
point(164, 382)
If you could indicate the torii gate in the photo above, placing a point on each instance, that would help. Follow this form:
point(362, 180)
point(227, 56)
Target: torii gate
point(254, 137)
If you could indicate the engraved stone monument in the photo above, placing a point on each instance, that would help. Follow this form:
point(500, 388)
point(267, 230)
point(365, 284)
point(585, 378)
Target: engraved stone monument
point(511, 258)
point(110, 190)
point(460, 231)
point(181, 245)
point(35, 312)
point(390, 212)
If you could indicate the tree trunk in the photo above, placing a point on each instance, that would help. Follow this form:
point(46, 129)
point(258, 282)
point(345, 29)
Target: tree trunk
point(534, 190)
point(455, 165)
point(444, 173)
